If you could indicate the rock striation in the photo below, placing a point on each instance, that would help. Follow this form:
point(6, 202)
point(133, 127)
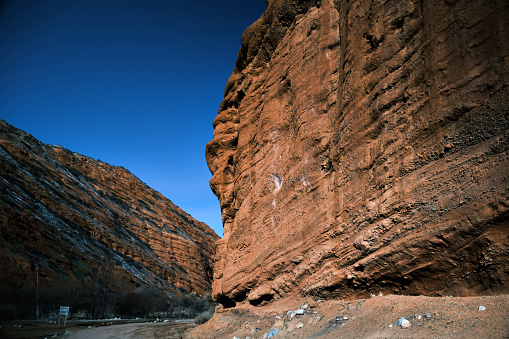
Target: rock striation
point(362, 147)
point(78, 218)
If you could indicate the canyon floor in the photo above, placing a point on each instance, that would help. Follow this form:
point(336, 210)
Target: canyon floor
point(377, 317)
point(93, 329)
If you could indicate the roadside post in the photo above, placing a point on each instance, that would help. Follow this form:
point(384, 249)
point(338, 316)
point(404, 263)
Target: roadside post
point(64, 311)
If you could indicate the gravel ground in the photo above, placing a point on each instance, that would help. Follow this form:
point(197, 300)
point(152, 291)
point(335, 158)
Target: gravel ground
point(440, 317)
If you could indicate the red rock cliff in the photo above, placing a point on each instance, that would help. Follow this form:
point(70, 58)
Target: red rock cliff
point(71, 215)
point(362, 148)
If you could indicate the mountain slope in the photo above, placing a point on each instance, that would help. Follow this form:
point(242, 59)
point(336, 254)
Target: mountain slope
point(81, 219)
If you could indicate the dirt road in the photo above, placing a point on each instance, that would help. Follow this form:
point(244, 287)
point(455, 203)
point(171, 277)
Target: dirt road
point(128, 331)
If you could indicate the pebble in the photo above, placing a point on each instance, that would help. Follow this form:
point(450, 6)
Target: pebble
point(404, 323)
point(390, 326)
point(299, 325)
point(236, 338)
point(482, 308)
point(271, 333)
point(345, 318)
point(419, 317)
point(299, 312)
point(428, 315)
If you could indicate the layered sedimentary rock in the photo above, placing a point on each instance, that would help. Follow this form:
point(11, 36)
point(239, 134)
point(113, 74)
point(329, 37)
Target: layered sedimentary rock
point(362, 148)
point(78, 218)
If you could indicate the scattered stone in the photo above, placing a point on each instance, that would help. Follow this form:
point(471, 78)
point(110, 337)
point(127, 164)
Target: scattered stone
point(345, 318)
point(299, 312)
point(419, 317)
point(390, 326)
point(482, 308)
point(289, 312)
point(304, 307)
point(428, 315)
point(236, 338)
point(271, 333)
point(404, 323)
point(292, 315)
point(299, 325)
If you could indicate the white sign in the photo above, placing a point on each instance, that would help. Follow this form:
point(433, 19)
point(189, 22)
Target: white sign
point(64, 310)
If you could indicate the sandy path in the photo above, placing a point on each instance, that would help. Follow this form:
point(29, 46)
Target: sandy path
point(132, 331)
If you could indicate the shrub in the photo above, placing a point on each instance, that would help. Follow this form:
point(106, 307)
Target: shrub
point(203, 317)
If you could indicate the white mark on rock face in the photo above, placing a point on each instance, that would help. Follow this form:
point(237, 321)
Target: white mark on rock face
point(278, 181)
point(305, 182)
point(274, 135)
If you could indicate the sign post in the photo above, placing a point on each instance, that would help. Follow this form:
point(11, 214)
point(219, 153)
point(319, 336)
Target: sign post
point(64, 310)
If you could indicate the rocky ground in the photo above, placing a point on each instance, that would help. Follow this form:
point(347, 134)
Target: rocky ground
point(377, 317)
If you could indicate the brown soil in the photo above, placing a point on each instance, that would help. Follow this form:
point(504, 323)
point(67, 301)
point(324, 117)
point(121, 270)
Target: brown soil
point(450, 317)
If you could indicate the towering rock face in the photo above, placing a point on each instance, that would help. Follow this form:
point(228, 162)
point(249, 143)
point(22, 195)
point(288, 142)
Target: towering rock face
point(362, 148)
point(81, 219)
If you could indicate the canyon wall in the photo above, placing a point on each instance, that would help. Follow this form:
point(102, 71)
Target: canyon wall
point(81, 220)
point(361, 148)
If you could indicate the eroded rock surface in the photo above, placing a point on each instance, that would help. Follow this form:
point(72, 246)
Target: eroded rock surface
point(362, 148)
point(72, 215)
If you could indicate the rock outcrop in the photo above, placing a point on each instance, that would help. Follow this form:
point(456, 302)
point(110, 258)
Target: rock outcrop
point(77, 218)
point(362, 147)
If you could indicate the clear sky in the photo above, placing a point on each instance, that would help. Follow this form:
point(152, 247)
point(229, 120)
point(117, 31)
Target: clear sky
point(134, 83)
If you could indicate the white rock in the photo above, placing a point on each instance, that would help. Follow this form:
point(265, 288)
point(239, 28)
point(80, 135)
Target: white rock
point(345, 318)
point(482, 308)
point(405, 324)
point(299, 325)
point(299, 312)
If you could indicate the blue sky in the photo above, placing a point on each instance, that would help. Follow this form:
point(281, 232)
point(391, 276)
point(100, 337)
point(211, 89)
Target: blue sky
point(134, 83)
